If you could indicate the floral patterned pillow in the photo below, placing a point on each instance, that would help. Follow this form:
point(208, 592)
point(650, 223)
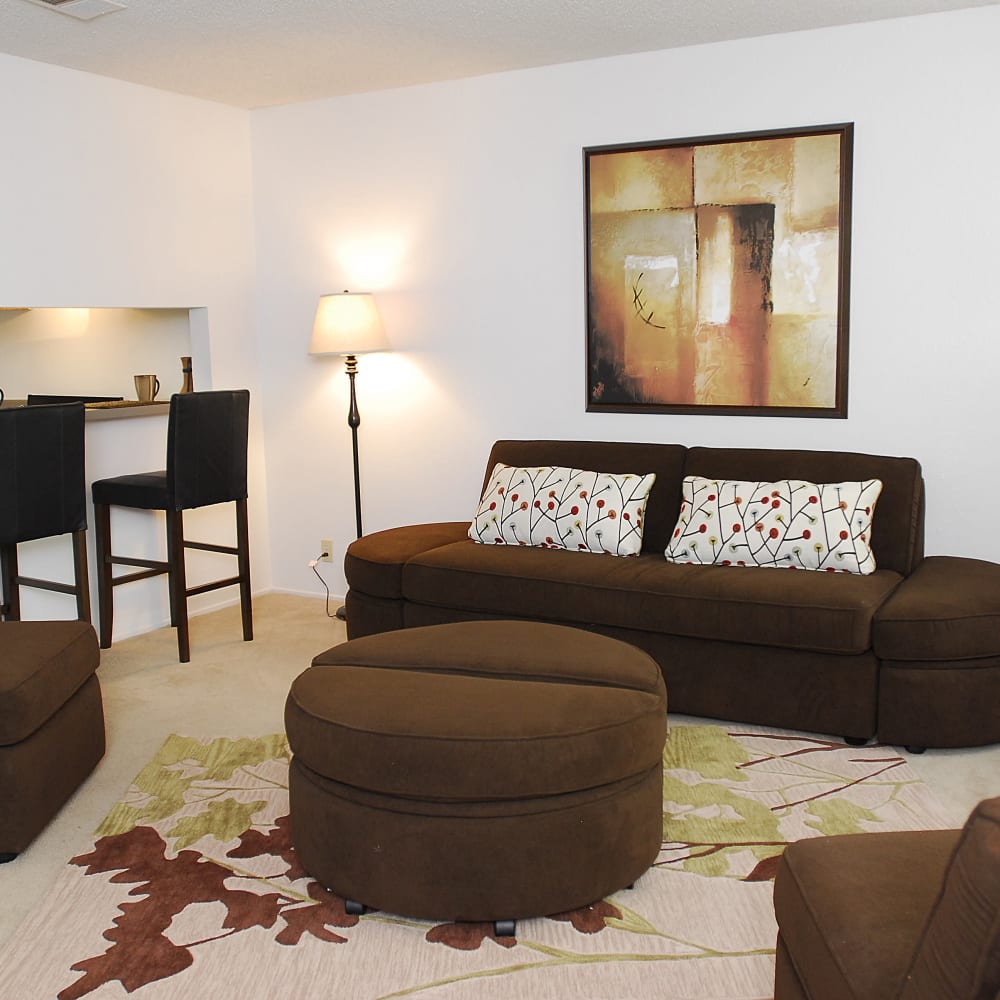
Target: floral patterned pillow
point(557, 508)
point(790, 524)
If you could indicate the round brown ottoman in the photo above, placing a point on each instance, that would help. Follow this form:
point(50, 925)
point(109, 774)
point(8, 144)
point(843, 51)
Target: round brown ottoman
point(478, 770)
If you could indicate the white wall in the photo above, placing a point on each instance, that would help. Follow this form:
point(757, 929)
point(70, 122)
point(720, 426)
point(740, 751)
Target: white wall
point(117, 195)
point(461, 206)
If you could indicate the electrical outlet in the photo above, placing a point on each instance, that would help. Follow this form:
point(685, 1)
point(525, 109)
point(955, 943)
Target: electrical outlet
point(326, 546)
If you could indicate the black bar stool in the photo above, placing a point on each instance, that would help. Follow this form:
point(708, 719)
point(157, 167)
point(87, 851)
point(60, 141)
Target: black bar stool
point(42, 493)
point(206, 464)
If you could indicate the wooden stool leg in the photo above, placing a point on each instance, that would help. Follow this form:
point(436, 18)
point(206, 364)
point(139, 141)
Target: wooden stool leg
point(81, 576)
point(243, 558)
point(171, 545)
point(178, 582)
point(11, 589)
point(105, 586)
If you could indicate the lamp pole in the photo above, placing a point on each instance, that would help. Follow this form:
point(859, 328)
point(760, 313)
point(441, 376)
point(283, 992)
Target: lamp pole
point(353, 421)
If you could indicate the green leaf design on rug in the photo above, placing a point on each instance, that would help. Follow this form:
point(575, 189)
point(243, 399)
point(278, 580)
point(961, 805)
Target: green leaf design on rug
point(707, 750)
point(629, 920)
point(225, 820)
point(835, 816)
point(162, 787)
point(716, 820)
point(734, 797)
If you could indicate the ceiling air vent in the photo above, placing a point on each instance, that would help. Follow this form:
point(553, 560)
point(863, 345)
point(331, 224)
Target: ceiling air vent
point(82, 10)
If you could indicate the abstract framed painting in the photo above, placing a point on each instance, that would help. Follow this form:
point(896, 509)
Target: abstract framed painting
point(718, 273)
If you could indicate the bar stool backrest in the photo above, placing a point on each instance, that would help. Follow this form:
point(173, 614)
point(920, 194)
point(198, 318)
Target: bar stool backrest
point(42, 484)
point(207, 447)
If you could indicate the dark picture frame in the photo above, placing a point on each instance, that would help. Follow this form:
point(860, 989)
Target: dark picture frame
point(718, 273)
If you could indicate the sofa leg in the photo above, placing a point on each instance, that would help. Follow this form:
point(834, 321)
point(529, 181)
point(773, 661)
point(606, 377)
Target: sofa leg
point(505, 928)
point(909, 749)
point(855, 741)
point(354, 908)
point(5, 857)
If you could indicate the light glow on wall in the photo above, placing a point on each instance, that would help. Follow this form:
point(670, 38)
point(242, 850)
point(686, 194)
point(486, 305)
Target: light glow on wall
point(371, 262)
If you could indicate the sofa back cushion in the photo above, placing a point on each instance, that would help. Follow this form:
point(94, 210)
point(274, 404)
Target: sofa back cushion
point(897, 533)
point(666, 461)
point(958, 957)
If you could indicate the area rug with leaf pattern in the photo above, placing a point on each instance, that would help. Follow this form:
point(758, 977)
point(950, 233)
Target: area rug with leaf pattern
point(191, 888)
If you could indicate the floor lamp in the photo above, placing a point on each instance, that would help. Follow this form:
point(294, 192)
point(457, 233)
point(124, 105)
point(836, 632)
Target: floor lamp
point(348, 324)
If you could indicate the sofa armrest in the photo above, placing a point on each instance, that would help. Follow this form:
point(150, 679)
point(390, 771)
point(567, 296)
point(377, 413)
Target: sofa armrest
point(958, 955)
point(851, 909)
point(374, 563)
point(948, 608)
point(43, 666)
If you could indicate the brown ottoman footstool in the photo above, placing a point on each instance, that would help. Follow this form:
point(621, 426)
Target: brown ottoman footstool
point(478, 770)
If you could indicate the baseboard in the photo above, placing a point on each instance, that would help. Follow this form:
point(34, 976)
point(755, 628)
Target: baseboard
point(337, 599)
point(204, 609)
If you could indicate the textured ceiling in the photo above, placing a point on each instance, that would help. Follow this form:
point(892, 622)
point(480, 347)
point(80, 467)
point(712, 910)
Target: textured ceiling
point(256, 53)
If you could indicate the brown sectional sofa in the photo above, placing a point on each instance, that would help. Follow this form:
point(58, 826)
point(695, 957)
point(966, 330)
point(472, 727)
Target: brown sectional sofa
point(910, 653)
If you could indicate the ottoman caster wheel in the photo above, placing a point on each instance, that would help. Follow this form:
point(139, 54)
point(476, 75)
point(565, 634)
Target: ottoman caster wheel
point(855, 741)
point(354, 908)
point(4, 858)
point(915, 749)
point(505, 928)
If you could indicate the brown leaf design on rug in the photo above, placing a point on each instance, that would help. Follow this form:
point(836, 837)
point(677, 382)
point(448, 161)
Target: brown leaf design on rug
point(315, 918)
point(765, 870)
point(467, 937)
point(276, 842)
point(140, 952)
point(589, 919)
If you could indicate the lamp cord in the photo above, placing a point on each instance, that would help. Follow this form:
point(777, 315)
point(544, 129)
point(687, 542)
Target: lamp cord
point(313, 563)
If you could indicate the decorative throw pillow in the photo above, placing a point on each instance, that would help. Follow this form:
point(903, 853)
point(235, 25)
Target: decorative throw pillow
point(557, 508)
point(789, 524)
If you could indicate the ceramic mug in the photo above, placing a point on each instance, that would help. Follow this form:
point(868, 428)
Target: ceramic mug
point(146, 388)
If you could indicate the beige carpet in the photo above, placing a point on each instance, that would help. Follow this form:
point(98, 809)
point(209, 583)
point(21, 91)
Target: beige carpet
point(192, 887)
point(232, 688)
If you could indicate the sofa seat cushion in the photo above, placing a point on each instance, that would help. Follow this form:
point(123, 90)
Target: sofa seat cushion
point(824, 612)
point(527, 709)
point(947, 609)
point(851, 909)
point(374, 563)
point(42, 665)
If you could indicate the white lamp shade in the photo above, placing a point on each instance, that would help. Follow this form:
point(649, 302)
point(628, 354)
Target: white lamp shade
point(347, 323)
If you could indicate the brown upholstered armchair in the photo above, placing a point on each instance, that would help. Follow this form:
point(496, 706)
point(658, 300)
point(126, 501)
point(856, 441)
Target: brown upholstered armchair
point(51, 723)
point(892, 916)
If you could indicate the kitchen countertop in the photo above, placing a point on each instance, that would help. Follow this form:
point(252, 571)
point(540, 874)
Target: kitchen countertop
point(116, 410)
